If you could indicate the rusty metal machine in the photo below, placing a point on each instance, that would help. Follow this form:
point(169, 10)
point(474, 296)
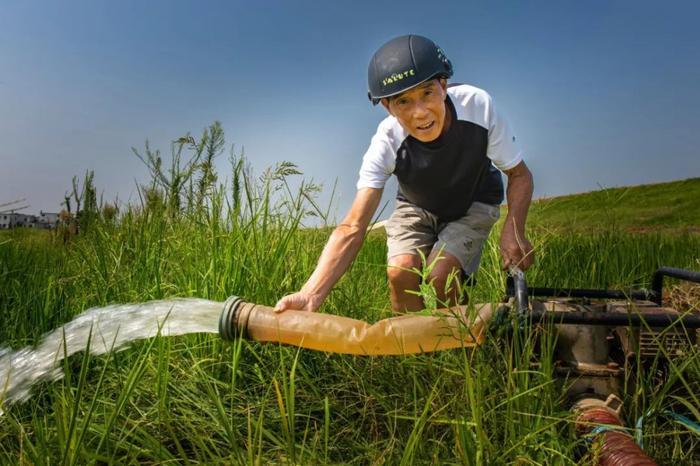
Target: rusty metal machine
point(600, 335)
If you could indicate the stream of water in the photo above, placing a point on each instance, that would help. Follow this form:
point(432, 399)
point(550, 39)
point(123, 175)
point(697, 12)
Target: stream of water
point(112, 327)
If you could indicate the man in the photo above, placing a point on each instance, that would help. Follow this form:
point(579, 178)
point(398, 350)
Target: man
point(442, 144)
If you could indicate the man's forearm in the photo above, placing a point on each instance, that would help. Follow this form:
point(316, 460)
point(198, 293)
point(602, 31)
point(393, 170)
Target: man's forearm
point(519, 196)
point(341, 249)
point(343, 245)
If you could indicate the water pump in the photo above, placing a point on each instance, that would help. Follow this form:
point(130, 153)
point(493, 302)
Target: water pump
point(592, 327)
point(600, 335)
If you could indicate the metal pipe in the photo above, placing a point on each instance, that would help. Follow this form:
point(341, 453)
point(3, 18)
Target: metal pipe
point(520, 291)
point(614, 319)
point(657, 280)
point(655, 294)
point(591, 293)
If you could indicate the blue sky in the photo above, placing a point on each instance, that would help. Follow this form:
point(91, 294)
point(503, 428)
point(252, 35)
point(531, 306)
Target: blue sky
point(600, 93)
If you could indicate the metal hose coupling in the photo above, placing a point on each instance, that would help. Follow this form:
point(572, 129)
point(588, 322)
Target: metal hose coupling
point(229, 328)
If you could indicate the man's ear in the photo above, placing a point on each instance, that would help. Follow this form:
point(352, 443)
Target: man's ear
point(385, 104)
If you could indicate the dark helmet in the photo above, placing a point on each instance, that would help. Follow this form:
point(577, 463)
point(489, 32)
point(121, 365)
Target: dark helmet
point(405, 62)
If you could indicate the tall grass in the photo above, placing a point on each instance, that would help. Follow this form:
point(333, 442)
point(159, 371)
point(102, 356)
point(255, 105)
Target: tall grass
point(196, 399)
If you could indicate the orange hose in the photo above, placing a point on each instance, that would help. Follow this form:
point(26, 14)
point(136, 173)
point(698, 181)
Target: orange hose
point(406, 334)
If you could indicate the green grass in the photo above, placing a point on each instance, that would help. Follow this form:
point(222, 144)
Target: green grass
point(667, 207)
point(197, 399)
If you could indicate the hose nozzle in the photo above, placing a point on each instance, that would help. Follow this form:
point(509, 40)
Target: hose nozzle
point(228, 321)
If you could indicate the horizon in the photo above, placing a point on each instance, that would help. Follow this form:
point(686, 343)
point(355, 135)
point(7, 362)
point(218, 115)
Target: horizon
point(504, 203)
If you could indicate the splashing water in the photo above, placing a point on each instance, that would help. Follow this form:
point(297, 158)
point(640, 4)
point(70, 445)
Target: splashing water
point(112, 328)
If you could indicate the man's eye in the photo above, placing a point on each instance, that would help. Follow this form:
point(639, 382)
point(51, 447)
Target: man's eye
point(402, 102)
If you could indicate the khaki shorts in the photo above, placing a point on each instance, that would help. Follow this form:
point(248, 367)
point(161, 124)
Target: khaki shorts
point(411, 229)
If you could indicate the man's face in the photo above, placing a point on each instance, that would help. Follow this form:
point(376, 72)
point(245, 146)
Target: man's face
point(421, 110)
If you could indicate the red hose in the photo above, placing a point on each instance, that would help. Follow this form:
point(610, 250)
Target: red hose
point(617, 448)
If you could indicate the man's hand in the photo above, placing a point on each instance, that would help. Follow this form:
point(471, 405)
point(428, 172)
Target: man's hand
point(515, 251)
point(299, 301)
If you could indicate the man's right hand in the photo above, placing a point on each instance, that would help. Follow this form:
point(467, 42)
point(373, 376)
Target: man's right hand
point(299, 301)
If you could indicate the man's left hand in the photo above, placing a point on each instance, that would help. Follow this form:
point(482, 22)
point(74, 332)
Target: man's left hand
point(516, 250)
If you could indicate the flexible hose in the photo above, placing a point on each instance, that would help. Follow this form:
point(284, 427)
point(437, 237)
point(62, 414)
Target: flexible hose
point(407, 334)
point(617, 447)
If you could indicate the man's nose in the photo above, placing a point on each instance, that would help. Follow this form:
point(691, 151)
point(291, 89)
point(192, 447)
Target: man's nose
point(420, 110)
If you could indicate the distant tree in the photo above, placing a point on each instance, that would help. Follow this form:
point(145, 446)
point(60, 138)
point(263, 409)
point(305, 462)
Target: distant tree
point(85, 199)
point(77, 194)
point(89, 195)
point(109, 212)
point(66, 202)
point(66, 227)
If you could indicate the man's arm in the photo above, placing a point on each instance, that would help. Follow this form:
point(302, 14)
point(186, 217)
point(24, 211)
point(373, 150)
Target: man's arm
point(516, 250)
point(337, 255)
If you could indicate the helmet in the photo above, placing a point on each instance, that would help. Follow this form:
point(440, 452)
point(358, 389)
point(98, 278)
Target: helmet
point(405, 62)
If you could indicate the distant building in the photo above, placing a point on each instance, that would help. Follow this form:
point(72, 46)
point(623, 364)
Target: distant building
point(45, 220)
point(15, 220)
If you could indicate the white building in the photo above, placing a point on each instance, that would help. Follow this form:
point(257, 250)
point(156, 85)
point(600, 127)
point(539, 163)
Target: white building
point(15, 220)
point(46, 220)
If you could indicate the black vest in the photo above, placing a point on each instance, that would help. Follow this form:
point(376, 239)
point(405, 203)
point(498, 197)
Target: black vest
point(446, 175)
